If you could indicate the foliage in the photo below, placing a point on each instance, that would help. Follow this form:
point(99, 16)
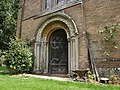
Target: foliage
point(108, 38)
point(113, 78)
point(8, 21)
point(18, 58)
point(2, 58)
point(89, 75)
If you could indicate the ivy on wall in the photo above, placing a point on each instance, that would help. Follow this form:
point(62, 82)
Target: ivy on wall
point(109, 39)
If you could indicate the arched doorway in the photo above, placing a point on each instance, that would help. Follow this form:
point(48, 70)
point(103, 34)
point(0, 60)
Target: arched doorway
point(58, 24)
point(58, 53)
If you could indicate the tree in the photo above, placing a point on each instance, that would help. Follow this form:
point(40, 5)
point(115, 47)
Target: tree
point(8, 22)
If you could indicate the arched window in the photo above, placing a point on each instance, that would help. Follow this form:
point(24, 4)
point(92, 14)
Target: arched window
point(60, 1)
point(47, 4)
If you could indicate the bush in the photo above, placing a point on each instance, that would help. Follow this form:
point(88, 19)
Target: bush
point(2, 58)
point(18, 58)
point(113, 77)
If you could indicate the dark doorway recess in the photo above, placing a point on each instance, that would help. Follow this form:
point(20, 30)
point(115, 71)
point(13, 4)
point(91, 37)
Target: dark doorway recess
point(58, 52)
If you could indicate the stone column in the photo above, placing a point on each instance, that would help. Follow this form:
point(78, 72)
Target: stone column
point(45, 62)
point(37, 51)
point(35, 60)
point(73, 56)
point(69, 56)
point(41, 57)
point(76, 50)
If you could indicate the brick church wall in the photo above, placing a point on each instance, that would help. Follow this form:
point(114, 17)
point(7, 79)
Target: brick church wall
point(95, 15)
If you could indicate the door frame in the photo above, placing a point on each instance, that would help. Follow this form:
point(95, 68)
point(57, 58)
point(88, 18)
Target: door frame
point(57, 21)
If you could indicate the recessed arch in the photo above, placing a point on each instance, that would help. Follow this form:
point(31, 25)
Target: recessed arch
point(60, 17)
point(50, 25)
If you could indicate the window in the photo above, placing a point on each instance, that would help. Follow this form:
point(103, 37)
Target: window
point(47, 4)
point(60, 1)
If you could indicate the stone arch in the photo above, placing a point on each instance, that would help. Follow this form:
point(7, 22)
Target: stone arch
point(51, 27)
point(54, 22)
point(61, 17)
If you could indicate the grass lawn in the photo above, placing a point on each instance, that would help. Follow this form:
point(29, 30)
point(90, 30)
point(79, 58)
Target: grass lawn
point(8, 82)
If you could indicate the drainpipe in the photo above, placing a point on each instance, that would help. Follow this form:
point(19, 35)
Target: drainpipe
point(21, 18)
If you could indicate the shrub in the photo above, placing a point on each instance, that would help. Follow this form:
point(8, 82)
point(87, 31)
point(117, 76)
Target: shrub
point(113, 77)
point(2, 58)
point(18, 58)
point(89, 75)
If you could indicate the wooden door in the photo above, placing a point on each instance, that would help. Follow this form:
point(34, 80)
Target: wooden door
point(58, 52)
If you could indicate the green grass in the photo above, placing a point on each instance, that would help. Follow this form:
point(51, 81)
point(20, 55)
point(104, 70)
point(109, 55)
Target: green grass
point(15, 82)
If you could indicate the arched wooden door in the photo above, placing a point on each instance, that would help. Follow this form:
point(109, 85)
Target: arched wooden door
point(58, 52)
